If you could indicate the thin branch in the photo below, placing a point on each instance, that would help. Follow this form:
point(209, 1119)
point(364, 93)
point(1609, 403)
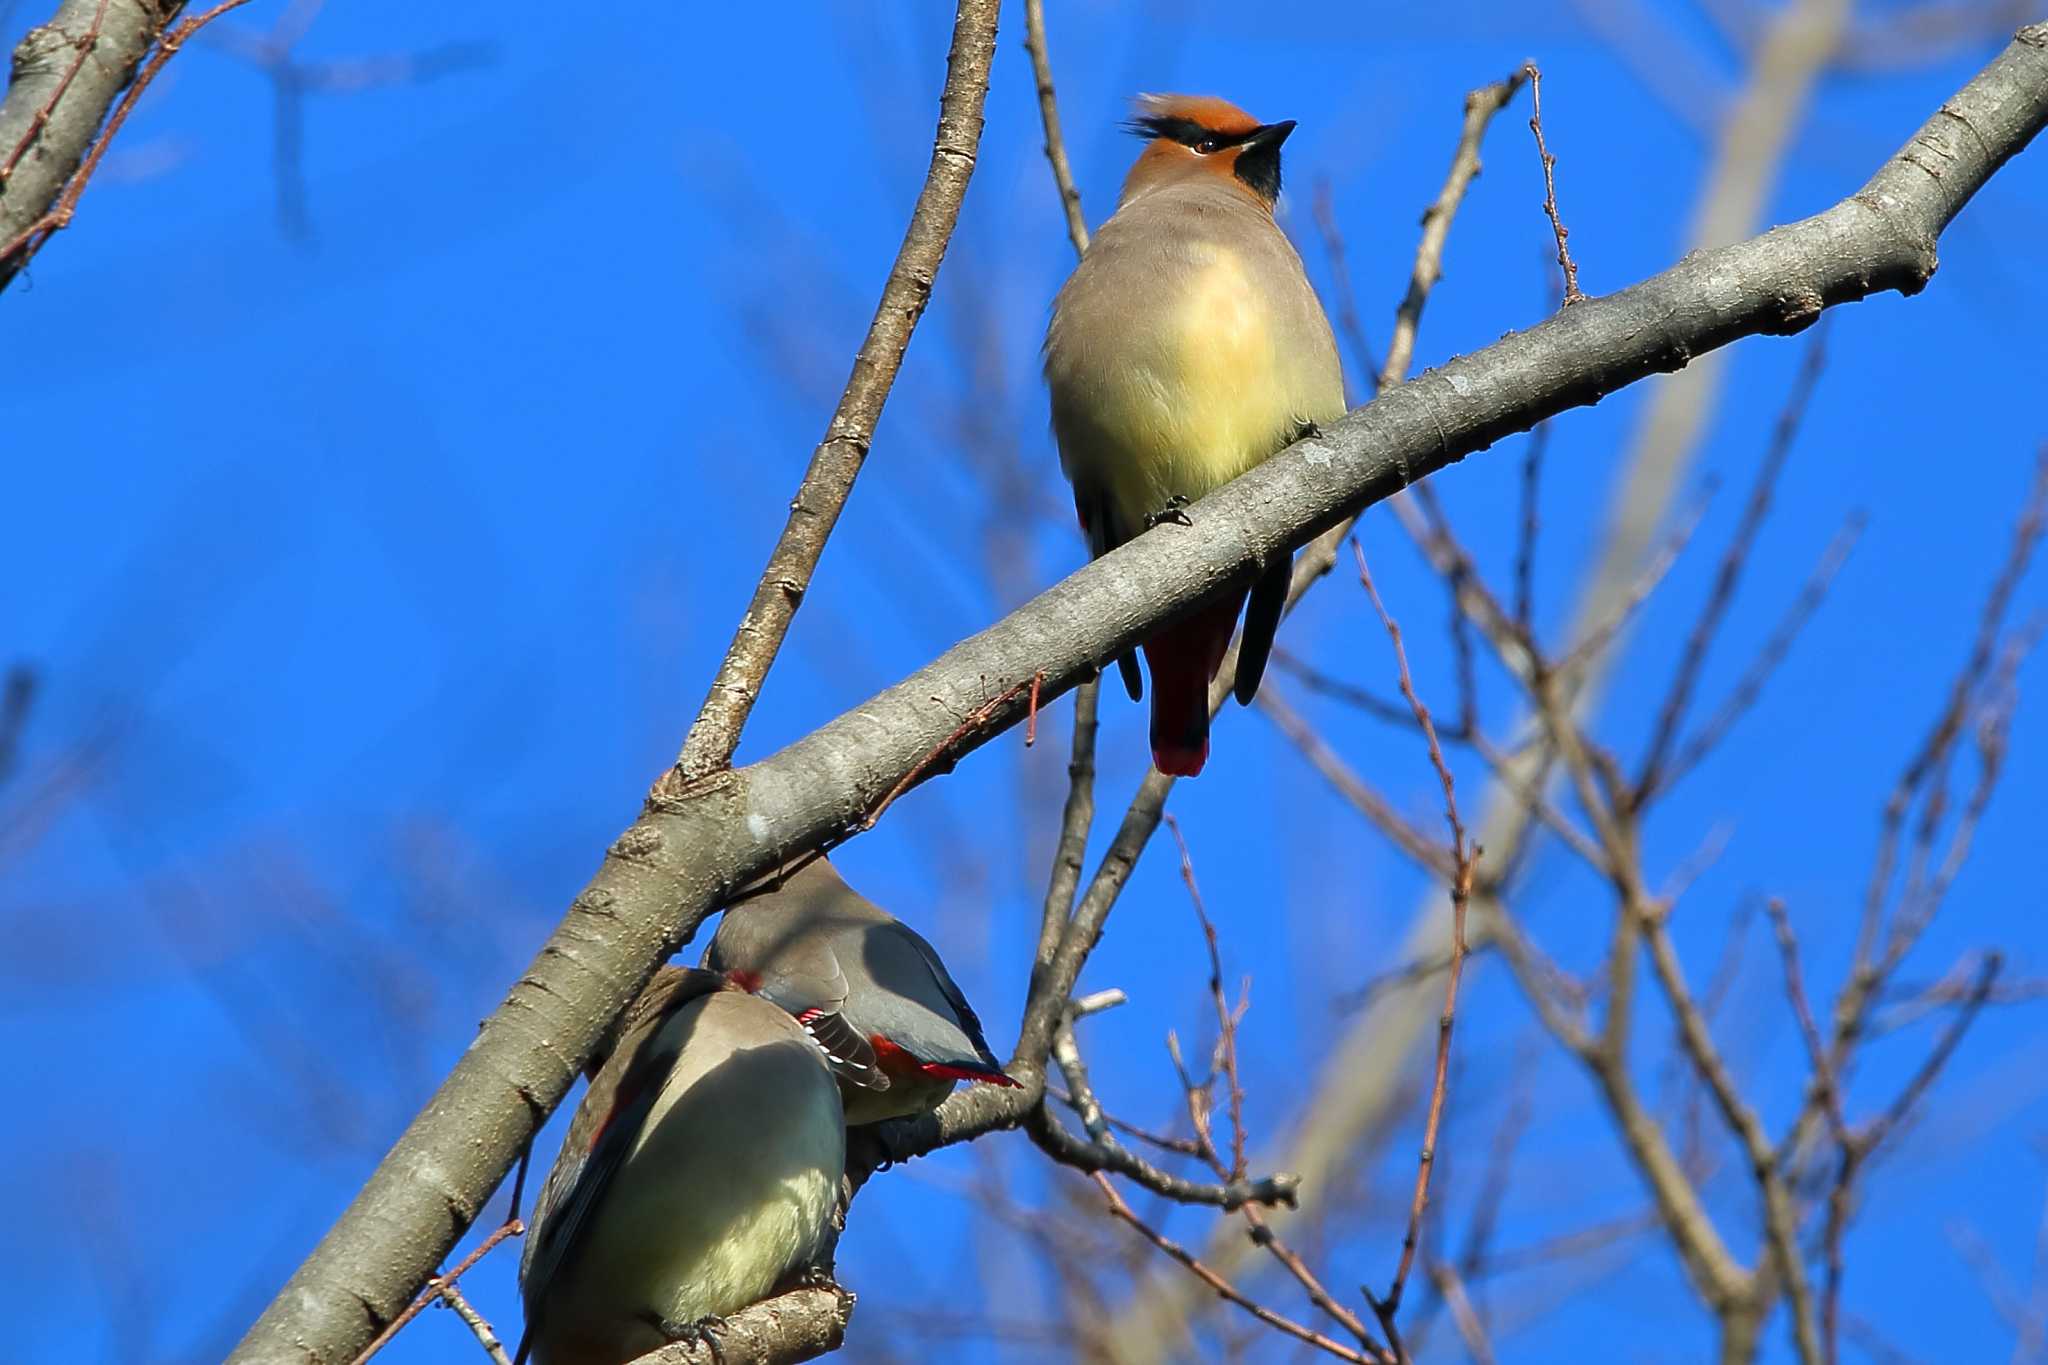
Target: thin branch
point(941, 756)
point(1480, 107)
point(1533, 451)
point(1075, 819)
point(17, 700)
point(837, 461)
point(1733, 561)
point(1049, 119)
point(1607, 630)
point(511, 1227)
point(1101, 1161)
point(1462, 860)
point(1324, 210)
point(1874, 1133)
point(1352, 695)
point(1226, 1020)
point(1399, 831)
point(1470, 1330)
point(1557, 227)
point(1751, 685)
point(1224, 1289)
point(485, 1335)
point(1824, 1077)
point(1781, 1219)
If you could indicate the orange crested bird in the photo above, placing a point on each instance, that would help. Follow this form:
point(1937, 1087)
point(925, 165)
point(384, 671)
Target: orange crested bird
point(1186, 348)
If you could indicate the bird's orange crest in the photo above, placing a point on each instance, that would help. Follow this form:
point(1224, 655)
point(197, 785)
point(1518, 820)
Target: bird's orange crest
point(1216, 115)
point(1201, 135)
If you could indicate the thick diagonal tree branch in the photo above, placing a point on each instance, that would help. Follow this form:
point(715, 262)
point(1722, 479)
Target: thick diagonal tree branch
point(697, 842)
point(67, 75)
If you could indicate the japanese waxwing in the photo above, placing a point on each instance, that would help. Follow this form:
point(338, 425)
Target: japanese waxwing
point(900, 1034)
point(699, 1176)
point(1186, 348)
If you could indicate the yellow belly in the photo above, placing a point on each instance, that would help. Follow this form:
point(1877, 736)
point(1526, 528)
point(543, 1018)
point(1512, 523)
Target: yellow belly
point(1205, 397)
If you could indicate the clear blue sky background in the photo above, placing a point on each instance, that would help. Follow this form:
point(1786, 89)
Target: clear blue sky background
point(371, 574)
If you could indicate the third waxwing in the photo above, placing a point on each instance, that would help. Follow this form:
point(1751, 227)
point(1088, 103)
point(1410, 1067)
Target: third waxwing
point(699, 1176)
point(1186, 348)
point(868, 987)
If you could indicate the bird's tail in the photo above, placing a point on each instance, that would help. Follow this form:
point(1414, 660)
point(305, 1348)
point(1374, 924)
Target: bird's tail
point(1184, 657)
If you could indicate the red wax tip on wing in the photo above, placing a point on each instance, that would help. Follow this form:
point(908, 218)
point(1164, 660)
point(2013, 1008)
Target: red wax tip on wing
point(750, 982)
point(961, 1073)
point(619, 1103)
point(899, 1061)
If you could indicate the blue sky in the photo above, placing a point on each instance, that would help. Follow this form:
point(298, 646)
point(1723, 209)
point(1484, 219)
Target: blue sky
point(370, 574)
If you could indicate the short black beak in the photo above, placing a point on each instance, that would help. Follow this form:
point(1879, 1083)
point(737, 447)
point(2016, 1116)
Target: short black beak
point(1258, 159)
point(1268, 135)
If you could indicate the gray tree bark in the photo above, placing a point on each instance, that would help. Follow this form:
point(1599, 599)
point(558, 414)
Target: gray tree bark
point(67, 74)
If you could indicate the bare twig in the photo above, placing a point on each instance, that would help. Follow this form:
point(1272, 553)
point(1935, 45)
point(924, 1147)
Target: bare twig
point(1388, 1305)
point(1557, 227)
point(1733, 561)
point(1398, 830)
point(1324, 211)
point(1525, 541)
point(942, 752)
point(1480, 107)
point(485, 1335)
point(1352, 695)
point(1750, 686)
point(1075, 819)
point(1119, 1209)
point(1607, 630)
point(1049, 119)
point(1795, 991)
point(1470, 1330)
point(837, 461)
point(512, 1227)
point(17, 699)
point(1226, 1020)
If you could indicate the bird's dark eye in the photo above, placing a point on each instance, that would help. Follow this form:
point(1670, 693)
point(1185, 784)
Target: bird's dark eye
point(1206, 145)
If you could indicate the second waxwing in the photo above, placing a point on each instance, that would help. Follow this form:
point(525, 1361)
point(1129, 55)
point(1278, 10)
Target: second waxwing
point(868, 987)
point(1186, 348)
point(699, 1175)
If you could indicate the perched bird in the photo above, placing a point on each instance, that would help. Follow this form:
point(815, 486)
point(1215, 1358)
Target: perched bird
point(866, 986)
point(1186, 348)
point(699, 1176)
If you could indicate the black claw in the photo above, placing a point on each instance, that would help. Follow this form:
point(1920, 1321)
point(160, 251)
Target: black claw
point(1175, 511)
point(703, 1331)
point(816, 1277)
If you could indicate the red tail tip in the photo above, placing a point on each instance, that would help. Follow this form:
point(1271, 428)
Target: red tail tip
point(1179, 762)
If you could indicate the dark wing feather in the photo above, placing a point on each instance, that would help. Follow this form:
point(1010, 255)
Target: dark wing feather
point(816, 1000)
point(852, 1056)
point(970, 1023)
point(1097, 523)
point(1261, 620)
